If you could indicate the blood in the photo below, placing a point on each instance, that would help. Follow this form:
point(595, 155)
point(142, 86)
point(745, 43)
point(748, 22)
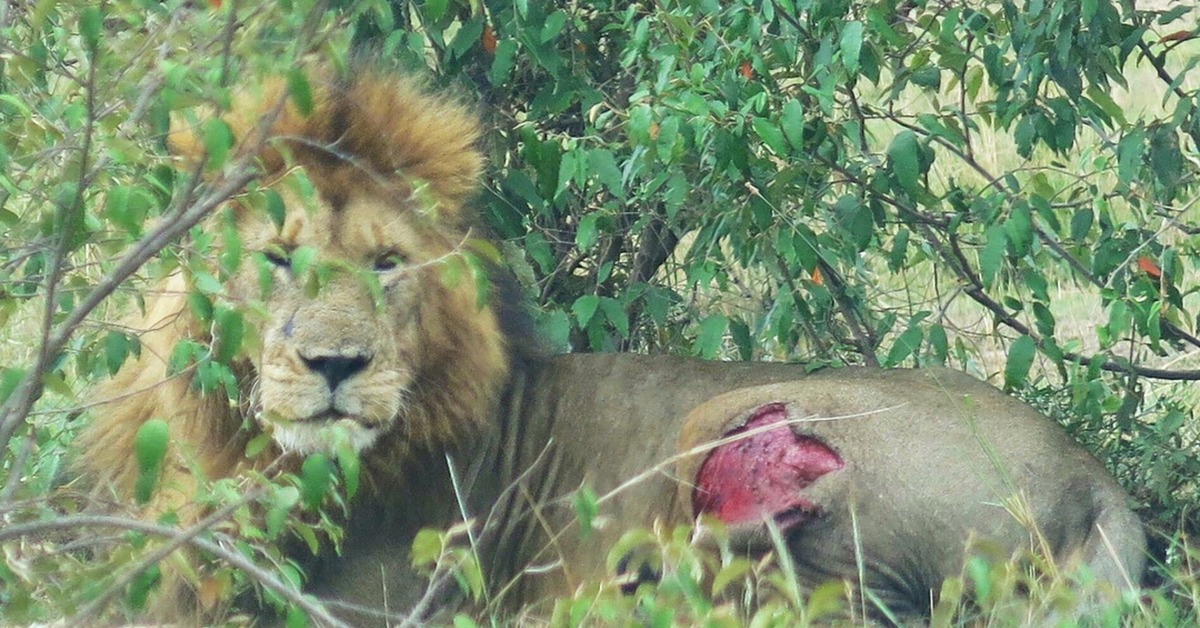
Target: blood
point(763, 475)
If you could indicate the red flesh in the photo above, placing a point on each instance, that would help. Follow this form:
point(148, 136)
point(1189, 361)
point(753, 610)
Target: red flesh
point(763, 475)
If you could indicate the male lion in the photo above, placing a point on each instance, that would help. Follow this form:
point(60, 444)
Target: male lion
point(879, 478)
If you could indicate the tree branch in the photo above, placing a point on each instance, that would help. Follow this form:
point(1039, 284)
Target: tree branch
point(18, 405)
point(314, 609)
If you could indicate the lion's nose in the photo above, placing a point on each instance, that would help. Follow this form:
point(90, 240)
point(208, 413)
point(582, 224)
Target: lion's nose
point(337, 368)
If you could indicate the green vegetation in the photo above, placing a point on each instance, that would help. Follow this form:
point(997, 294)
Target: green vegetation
point(1005, 188)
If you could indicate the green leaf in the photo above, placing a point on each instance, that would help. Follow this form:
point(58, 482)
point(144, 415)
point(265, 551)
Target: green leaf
point(296, 618)
point(711, 336)
point(435, 10)
point(229, 326)
point(1120, 320)
point(668, 137)
point(736, 571)
point(116, 349)
point(584, 308)
point(183, 355)
point(568, 169)
point(17, 104)
point(792, 121)
point(141, 587)
point(469, 35)
point(427, 548)
point(218, 139)
point(1107, 104)
point(905, 346)
point(302, 260)
point(150, 444)
point(1174, 13)
point(588, 233)
point(316, 475)
point(739, 332)
point(1044, 318)
point(851, 45)
point(587, 506)
point(127, 207)
point(641, 119)
point(257, 445)
point(602, 163)
point(504, 61)
point(462, 621)
point(939, 343)
point(10, 378)
point(275, 207)
point(899, 252)
point(1025, 134)
point(555, 327)
point(201, 306)
point(351, 465)
point(300, 91)
point(616, 314)
point(771, 135)
point(149, 447)
point(929, 77)
point(282, 501)
point(992, 255)
point(1019, 229)
point(805, 244)
point(856, 221)
point(676, 194)
point(1020, 358)
point(553, 26)
point(904, 155)
point(1081, 223)
point(90, 25)
point(206, 283)
point(1166, 160)
point(470, 576)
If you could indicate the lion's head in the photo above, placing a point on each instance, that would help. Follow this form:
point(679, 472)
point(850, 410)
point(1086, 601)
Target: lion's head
point(370, 325)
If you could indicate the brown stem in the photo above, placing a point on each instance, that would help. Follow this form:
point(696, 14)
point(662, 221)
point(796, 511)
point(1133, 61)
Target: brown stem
point(73, 522)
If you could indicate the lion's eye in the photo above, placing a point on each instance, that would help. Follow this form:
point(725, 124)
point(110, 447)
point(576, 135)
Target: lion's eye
point(278, 256)
point(388, 261)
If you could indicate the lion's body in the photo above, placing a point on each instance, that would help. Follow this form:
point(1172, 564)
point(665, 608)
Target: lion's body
point(910, 466)
point(610, 421)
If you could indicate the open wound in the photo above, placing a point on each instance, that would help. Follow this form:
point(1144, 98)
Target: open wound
point(763, 475)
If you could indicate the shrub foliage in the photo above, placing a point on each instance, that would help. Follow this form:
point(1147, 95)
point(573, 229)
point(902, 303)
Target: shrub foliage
point(1003, 187)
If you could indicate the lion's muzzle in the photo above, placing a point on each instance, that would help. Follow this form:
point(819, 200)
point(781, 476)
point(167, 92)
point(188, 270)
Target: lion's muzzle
point(333, 392)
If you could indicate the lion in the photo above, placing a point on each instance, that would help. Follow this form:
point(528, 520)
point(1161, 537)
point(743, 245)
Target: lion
point(881, 478)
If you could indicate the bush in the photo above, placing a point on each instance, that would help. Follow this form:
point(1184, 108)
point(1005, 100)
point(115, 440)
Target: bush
point(1002, 188)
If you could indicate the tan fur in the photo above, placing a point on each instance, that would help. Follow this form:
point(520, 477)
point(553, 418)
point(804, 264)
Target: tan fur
point(392, 167)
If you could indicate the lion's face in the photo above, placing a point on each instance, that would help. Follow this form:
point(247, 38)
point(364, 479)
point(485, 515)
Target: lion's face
point(341, 341)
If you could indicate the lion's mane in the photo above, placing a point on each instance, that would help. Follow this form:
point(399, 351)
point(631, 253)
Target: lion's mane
point(373, 129)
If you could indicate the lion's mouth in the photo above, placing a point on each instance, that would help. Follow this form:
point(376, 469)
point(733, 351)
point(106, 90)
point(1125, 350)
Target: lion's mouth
point(327, 416)
point(323, 431)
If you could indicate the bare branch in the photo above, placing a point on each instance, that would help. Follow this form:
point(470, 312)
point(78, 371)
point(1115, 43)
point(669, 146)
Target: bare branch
point(264, 577)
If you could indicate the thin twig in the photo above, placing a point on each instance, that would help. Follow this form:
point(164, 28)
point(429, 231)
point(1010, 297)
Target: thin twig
point(19, 404)
point(73, 522)
point(90, 613)
point(69, 219)
point(18, 466)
